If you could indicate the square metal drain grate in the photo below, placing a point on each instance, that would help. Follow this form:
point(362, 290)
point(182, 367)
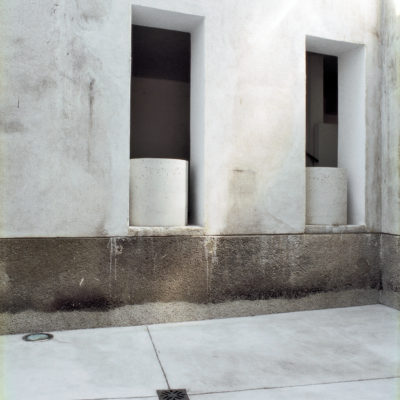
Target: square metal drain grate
point(172, 394)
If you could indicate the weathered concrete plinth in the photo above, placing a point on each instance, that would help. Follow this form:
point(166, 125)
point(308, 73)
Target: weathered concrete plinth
point(390, 259)
point(87, 282)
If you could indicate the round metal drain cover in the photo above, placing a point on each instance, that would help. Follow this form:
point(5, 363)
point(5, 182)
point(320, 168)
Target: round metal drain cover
point(38, 337)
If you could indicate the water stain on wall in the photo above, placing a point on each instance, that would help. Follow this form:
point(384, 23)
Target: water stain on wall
point(54, 9)
point(81, 58)
point(91, 134)
point(91, 102)
point(80, 83)
point(242, 191)
point(93, 12)
point(13, 126)
point(86, 300)
point(38, 87)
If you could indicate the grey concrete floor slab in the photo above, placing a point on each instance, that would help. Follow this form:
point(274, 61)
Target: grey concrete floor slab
point(113, 362)
point(348, 353)
point(303, 348)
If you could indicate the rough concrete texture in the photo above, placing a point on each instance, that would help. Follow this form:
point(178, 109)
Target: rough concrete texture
point(390, 260)
point(291, 266)
point(153, 313)
point(101, 274)
point(55, 274)
point(147, 269)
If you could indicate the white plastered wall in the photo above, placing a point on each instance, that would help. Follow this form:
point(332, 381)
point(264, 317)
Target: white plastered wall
point(352, 140)
point(390, 34)
point(64, 114)
point(65, 101)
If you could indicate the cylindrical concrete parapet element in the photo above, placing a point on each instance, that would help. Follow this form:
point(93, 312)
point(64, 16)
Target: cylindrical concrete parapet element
point(158, 194)
point(326, 196)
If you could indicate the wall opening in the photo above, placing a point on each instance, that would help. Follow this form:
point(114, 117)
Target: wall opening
point(167, 94)
point(322, 110)
point(331, 64)
point(160, 93)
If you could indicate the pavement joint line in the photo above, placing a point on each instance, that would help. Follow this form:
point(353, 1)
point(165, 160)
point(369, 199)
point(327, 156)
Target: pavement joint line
point(158, 358)
point(295, 386)
point(119, 398)
point(248, 390)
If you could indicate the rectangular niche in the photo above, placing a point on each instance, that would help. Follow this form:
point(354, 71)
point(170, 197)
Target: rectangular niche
point(335, 115)
point(160, 123)
point(322, 110)
point(167, 94)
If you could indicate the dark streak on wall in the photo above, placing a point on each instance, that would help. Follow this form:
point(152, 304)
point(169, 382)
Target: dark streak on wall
point(91, 98)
